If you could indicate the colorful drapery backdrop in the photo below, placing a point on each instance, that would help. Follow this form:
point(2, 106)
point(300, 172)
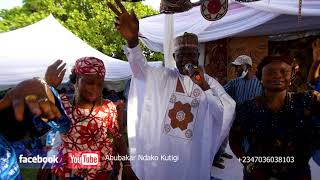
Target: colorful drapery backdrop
point(219, 54)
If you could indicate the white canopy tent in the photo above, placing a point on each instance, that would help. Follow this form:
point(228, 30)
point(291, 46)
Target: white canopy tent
point(27, 52)
point(265, 17)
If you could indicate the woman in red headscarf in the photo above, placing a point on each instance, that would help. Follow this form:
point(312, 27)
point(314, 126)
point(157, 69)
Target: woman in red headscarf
point(94, 127)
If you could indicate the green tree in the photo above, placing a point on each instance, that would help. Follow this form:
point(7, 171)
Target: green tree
point(90, 20)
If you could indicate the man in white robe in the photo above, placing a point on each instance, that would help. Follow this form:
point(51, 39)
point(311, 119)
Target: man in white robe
point(176, 119)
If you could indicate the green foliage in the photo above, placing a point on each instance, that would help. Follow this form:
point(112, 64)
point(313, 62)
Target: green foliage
point(90, 20)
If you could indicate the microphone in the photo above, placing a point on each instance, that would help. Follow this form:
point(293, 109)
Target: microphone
point(190, 68)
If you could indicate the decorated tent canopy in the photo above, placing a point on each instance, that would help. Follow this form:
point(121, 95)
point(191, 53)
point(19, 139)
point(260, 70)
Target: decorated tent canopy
point(27, 52)
point(265, 17)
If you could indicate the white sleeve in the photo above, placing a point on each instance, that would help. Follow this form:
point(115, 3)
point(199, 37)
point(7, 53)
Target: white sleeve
point(139, 66)
point(221, 105)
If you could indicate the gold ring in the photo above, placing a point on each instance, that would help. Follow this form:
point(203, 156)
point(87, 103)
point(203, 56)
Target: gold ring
point(31, 98)
point(43, 100)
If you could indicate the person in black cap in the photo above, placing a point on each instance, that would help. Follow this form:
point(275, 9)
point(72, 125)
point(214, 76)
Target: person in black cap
point(275, 135)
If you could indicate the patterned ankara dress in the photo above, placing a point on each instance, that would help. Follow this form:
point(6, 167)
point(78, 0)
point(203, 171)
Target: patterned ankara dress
point(88, 133)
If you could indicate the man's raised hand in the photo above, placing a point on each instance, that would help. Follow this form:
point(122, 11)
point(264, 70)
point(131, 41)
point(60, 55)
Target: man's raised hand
point(127, 24)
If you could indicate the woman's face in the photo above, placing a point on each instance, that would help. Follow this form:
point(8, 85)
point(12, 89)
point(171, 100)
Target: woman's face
point(276, 76)
point(90, 87)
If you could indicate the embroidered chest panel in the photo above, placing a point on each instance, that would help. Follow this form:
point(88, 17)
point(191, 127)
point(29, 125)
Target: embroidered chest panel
point(181, 112)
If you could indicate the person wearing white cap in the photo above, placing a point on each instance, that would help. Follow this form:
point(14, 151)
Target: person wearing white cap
point(242, 64)
point(244, 87)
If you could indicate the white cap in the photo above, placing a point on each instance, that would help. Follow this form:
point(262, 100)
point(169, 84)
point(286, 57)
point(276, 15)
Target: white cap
point(242, 59)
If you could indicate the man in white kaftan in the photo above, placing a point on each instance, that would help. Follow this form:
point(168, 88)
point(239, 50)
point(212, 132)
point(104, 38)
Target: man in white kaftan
point(152, 96)
point(175, 122)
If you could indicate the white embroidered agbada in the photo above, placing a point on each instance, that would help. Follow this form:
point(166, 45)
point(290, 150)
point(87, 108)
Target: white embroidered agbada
point(161, 121)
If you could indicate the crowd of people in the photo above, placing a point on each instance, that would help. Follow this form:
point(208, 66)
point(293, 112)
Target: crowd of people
point(182, 116)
